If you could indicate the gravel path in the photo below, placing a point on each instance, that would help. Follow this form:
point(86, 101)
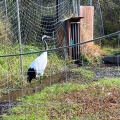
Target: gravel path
point(107, 72)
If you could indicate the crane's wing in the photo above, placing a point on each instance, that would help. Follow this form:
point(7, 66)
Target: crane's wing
point(39, 64)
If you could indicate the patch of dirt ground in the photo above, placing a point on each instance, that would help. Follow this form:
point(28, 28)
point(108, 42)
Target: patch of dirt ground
point(94, 103)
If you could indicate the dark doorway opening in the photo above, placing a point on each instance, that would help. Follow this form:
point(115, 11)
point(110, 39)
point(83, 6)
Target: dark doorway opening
point(75, 39)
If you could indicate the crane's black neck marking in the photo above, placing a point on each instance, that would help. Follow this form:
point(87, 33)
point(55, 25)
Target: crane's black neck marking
point(46, 46)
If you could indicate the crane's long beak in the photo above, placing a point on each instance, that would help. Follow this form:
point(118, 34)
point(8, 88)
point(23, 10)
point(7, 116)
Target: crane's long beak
point(45, 37)
point(48, 37)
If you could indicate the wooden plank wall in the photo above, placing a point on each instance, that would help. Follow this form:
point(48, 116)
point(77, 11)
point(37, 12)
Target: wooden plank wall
point(86, 23)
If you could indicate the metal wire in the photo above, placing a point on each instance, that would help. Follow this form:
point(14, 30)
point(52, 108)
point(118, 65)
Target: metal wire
point(32, 26)
point(82, 43)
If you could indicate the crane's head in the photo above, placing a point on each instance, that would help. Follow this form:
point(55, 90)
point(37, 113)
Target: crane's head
point(44, 37)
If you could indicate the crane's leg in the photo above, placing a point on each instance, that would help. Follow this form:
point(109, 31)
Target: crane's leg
point(41, 77)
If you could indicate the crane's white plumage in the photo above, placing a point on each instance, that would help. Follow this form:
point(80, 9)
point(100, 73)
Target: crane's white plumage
point(39, 64)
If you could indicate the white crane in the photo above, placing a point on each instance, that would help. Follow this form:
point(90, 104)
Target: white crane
point(39, 64)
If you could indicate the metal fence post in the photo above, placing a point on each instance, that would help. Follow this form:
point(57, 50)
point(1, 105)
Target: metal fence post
point(6, 12)
point(90, 2)
point(78, 8)
point(19, 36)
point(101, 18)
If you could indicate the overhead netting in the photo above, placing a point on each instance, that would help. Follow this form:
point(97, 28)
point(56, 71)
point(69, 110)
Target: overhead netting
point(35, 19)
point(39, 18)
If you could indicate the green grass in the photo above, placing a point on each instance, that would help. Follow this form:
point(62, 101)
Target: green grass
point(109, 82)
point(10, 66)
point(111, 50)
point(83, 74)
point(41, 106)
point(10, 76)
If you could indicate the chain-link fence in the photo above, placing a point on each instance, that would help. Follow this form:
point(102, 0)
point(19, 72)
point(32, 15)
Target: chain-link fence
point(86, 89)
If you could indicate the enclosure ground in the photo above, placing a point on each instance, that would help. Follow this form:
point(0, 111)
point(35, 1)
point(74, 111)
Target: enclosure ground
point(95, 102)
point(82, 104)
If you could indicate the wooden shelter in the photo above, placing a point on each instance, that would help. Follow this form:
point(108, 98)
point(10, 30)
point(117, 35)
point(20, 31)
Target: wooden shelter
point(79, 29)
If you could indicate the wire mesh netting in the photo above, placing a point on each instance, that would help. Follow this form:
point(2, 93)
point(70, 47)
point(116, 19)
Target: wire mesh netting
point(81, 80)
